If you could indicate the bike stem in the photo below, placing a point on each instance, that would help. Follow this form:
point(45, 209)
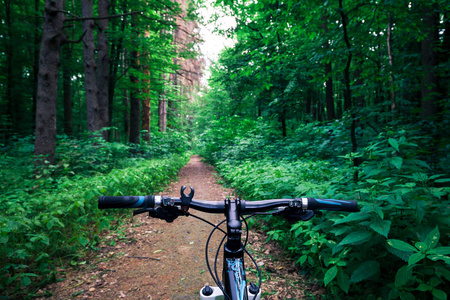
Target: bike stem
point(233, 248)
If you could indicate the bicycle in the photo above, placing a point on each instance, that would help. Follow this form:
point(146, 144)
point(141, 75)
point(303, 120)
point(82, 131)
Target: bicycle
point(234, 284)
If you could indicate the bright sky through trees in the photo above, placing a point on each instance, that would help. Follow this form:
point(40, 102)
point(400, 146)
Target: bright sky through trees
point(213, 42)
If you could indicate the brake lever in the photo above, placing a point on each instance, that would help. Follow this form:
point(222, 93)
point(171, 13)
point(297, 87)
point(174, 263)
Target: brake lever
point(168, 211)
point(294, 214)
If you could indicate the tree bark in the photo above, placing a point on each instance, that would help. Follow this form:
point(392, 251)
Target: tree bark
point(135, 101)
point(126, 114)
point(146, 101)
point(67, 92)
point(37, 39)
point(162, 112)
point(67, 83)
point(115, 62)
point(347, 91)
point(103, 67)
point(90, 77)
point(45, 138)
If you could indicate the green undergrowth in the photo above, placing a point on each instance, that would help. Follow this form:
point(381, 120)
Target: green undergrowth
point(51, 218)
point(396, 247)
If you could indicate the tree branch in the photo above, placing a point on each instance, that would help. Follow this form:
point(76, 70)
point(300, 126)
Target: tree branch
point(67, 41)
point(99, 18)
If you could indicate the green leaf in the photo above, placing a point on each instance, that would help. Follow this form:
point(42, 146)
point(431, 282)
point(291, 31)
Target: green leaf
point(343, 281)
point(50, 224)
point(438, 294)
point(396, 161)
point(402, 246)
point(302, 259)
point(440, 251)
point(365, 271)
point(353, 217)
point(381, 227)
point(442, 180)
point(446, 259)
point(444, 272)
point(424, 287)
point(355, 238)
point(83, 241)
point(421, 246)
point(404, 274)
point(310, 260)
point(406, 296)
point(379, 211)
point(432, 238)
point(394, 144)
point(330, 274)
point(415, 258)
point(25, 280)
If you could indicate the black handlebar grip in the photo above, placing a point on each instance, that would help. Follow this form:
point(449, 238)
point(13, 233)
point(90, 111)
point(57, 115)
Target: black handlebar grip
point(125, 201)
point(332, 204)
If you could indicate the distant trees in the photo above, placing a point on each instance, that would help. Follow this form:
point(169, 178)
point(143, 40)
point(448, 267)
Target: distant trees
point(110, 52)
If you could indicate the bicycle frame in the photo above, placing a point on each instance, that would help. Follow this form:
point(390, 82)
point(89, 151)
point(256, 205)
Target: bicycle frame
point(233, 274)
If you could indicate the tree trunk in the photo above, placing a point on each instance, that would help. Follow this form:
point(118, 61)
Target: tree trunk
point(146, 101)
point(9, 53)
point(347, 90)
point(90, 77)
point(329, 99)
point(126, 114)
point(67, 82)
point(116, 51)
point(103, 67)
point(430, 97)
point(146, 105)
point(67, 91)
point(37, 39)
point(45, 139)
point(391, 63)
point(135, 101)
point(162, 112)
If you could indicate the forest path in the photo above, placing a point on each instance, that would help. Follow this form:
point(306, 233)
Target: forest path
point(129, 270)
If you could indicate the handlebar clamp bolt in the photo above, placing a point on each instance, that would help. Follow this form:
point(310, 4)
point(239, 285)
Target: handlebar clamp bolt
point(207, 291)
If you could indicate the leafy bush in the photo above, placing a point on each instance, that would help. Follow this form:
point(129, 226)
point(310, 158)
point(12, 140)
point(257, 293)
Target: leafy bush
point(54, 215)
point(395, 247)
point(237, 139)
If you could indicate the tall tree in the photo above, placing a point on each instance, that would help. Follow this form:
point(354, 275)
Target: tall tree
point(146, 101)
point(52, 38)
point(67, 80)
point(90, 76)
point(430, 83)
point(135, 99)
point(329, 97)
point(103, 66)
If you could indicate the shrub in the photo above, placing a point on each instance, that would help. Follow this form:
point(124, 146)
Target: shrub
point(395, 247)
point(54, 215)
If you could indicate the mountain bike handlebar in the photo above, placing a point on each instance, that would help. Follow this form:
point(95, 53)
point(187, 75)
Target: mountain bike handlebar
point(150, 202)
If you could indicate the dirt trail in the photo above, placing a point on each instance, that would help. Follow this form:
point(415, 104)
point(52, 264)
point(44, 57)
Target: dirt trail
point(157, 260)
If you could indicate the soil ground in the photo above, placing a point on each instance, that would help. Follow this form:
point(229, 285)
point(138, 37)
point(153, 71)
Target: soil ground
point(152, 259)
